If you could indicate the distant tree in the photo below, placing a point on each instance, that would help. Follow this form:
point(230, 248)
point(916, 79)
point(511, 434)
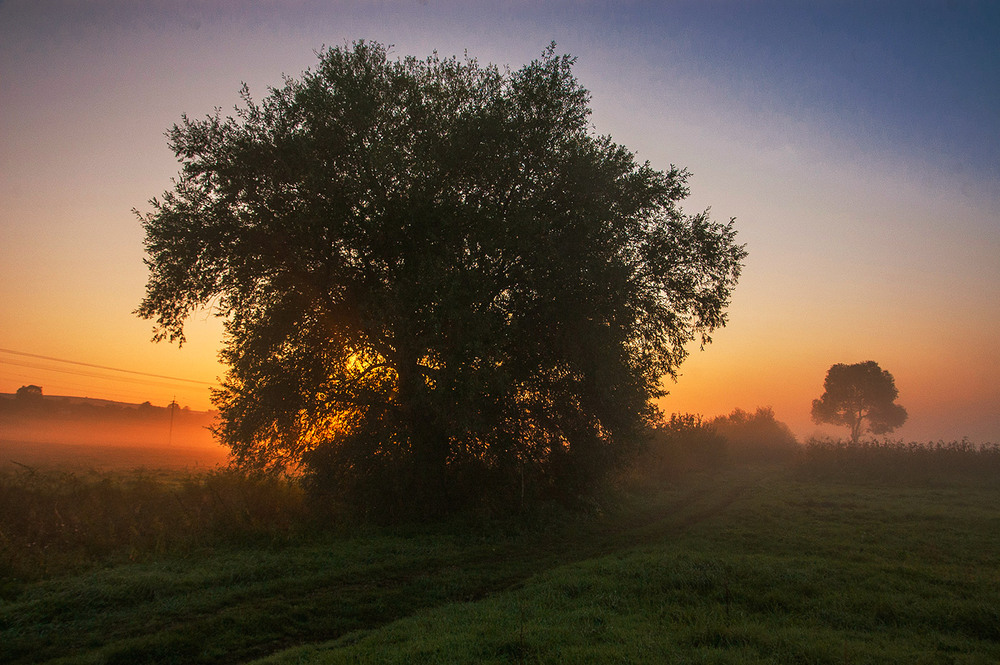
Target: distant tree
point(30, 393)
point(430, 268)
point(862, 397)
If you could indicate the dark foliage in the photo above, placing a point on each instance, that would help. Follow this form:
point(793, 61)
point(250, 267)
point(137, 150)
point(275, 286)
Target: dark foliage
point(437, 281)
point(686, 443)
point(29, 394)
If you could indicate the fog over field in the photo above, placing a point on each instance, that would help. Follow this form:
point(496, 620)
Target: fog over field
point(72, 431)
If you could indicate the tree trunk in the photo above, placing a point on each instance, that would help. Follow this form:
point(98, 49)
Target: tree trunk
point(428, 443)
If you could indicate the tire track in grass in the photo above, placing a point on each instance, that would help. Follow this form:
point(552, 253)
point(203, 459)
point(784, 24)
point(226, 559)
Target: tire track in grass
point(278, 608)
point(604, 538)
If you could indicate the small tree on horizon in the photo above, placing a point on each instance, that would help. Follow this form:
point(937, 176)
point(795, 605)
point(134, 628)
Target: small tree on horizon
point(30, 393)
point(862, 397)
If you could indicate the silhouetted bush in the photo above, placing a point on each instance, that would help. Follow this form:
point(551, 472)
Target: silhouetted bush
point(688, 442)
point(682, 443)
point(350, 478)
point(756, 437)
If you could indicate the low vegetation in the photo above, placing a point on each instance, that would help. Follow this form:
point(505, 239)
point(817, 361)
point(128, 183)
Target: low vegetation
point(55, 522)
point(894, 461)
point(712, 550)
point(688, 442)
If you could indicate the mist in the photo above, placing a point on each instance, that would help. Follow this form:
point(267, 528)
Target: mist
point(72, 431)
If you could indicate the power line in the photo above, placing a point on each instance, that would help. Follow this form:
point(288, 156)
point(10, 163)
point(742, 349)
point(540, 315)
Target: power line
point(104, 367)
point(123, 389)
point(97, 375)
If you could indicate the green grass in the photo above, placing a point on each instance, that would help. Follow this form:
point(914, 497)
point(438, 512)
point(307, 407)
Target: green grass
point(55, 521)
point(730, 566)
point(789, 572)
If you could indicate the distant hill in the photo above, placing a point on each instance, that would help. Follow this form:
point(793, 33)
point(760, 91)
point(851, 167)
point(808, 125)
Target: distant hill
point(73, 400)
point(71, 420)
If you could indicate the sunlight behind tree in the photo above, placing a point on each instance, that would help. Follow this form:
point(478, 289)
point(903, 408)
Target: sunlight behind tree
point(439, 285)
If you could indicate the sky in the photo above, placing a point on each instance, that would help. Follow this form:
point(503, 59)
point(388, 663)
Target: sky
point(857, 144)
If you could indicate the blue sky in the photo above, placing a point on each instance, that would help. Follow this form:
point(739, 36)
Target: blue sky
point(857, 144)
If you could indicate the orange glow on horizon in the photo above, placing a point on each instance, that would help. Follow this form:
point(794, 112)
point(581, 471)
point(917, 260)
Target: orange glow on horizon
point(946, 398)
point(870, 236)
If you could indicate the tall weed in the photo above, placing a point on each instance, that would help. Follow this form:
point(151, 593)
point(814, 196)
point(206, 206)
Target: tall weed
point(895, 461)
point(55, 521)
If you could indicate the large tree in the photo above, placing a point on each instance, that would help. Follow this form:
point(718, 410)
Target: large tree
point(432, 270)
point(861, 396)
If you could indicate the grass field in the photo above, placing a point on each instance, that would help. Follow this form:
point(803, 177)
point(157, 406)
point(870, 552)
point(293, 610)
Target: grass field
point(729, 565)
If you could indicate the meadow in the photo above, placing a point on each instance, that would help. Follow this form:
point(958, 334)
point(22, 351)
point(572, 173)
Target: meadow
point(881, 553)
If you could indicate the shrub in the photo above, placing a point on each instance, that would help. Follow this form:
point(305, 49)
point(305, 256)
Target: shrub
point(680, 444)
point(756, 437)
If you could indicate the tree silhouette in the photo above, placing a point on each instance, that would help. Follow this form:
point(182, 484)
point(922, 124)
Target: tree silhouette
point(861, 396)
point(29, 394)
point(432, 273)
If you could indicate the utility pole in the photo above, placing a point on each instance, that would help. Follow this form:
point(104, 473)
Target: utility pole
point(170, 434)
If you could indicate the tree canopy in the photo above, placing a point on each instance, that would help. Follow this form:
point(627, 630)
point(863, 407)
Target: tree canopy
point(433, 274)
point(861, 396)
